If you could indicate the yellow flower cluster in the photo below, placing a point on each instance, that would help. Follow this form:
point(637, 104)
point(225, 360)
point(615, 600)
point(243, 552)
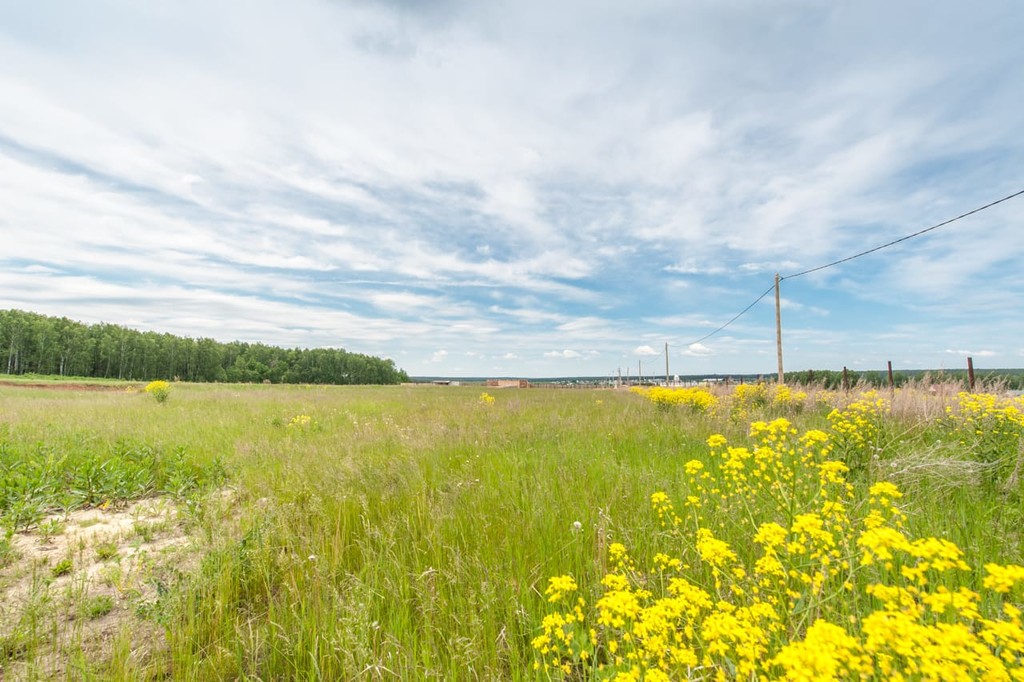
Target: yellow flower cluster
point(300, 421)
point(1002, 578)
point(816, 586)
point(558, 638)
point(696, 398)
point(972, 407)
point(992, 428)
point(160, 390)
point(560, 586)
point(749, 396)
point(486, 398)
point(785, 398)
point(855, 429)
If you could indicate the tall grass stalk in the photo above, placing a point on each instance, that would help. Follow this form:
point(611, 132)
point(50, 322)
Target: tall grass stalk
point(409, 532)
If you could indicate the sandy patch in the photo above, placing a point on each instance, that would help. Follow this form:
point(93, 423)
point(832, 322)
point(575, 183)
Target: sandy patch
point(85, 583)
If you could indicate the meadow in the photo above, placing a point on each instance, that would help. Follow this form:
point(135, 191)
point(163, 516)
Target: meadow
point(413, 532)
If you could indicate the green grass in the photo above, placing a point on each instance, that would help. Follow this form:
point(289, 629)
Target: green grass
point(62, 567)
point(406, 532)
point(105, 551)
point(97, 606)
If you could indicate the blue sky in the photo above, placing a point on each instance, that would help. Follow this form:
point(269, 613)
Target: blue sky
point(522, 188)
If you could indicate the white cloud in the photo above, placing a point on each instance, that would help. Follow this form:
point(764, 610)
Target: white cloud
point(697, 350)
point(693, 267)
point(201, 312)
point(439, 356)
point(41, 269)
point(389, 174)
point(972, 353)
point(789, 304)
point(780, 267)
point(567, 354)
point(645, 351)
point(529, 316)
point(585, 325)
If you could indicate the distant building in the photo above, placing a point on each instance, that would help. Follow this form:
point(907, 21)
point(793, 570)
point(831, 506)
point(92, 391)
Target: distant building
point(508, 383)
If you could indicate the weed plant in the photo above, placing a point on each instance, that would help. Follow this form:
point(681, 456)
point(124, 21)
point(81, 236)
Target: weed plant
point(39, 477)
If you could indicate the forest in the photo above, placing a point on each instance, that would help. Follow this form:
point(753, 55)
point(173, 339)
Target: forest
point(31, 343)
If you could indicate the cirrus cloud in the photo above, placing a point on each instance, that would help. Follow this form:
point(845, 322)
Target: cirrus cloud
point(402, 177)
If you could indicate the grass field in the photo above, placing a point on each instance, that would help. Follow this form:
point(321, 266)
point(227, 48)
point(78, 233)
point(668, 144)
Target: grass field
point(413, 532)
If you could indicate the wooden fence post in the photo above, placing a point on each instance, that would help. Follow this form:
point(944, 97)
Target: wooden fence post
point(970, 372)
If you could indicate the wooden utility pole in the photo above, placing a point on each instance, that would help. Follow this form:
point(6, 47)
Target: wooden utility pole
point(666, 363)
point(778, 327)
point(892, 384)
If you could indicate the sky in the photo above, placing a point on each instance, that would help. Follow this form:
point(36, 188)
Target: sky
point(528, 188)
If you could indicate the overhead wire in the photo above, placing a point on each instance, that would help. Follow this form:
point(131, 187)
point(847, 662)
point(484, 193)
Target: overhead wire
point(738, 316)
point(854, 256)
point(905, 238)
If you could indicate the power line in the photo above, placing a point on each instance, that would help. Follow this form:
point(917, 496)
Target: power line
point(903, 239)
point(738, 316)
point(857, 255)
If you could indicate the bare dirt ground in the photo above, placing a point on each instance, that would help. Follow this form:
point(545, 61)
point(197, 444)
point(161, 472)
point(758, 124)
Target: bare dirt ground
point(64, 386)
point(82, 583)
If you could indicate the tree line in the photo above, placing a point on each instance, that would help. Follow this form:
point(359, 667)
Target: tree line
point(832, 379)
point(31, 343)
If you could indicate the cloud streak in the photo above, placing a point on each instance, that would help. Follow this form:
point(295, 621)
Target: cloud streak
point(400, 178)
